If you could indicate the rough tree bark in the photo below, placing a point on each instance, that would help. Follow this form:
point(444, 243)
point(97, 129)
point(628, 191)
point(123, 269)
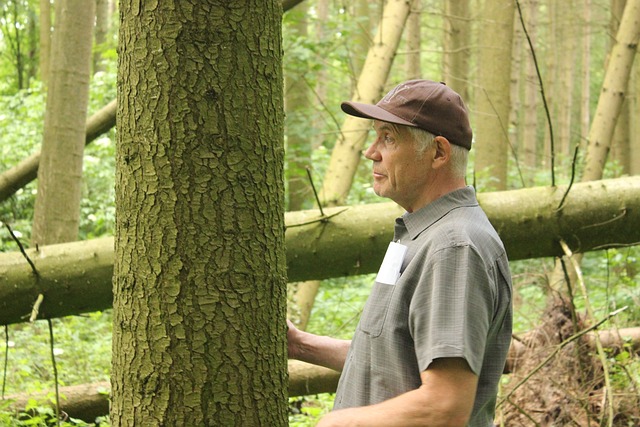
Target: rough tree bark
point(199, 286)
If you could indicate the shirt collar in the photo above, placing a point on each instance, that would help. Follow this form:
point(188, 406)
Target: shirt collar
point(418, 221)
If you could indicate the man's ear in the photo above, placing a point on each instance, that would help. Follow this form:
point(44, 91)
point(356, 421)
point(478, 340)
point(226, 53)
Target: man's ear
point(442, 152)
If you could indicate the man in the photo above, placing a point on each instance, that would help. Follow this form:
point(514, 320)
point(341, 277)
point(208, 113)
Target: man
point(434, 334)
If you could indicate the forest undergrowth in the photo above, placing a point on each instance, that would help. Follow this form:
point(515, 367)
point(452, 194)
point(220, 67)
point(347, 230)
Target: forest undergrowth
point(562, 382)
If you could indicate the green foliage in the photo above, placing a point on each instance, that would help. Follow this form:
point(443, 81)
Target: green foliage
point(82, 349)
point(305, 411)
point(21, 123)
point(41, 414)
point(323, 58)
point(18, 42)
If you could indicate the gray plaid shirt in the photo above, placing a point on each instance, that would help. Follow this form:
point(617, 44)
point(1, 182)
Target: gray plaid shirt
point(452, 299)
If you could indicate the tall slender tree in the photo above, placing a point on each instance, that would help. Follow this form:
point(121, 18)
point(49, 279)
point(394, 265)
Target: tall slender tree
point(614, 88)
point(529, 152)
point(620, 144)
point(199, 270)
point(413, 41)
point(44, 19)
point(492, 98)
point(57, 208)
point(346, 153)
point(457, 46)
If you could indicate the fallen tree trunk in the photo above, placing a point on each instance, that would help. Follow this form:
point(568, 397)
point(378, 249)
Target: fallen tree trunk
point(88, 401)
point(75, 277)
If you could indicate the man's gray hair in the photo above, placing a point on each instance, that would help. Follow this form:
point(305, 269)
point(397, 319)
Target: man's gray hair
point(425, 140)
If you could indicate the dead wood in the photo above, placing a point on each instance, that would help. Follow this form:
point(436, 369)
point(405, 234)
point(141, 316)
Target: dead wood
point(566, 389)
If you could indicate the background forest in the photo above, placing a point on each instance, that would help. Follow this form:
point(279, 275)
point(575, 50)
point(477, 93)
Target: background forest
point(552, 69)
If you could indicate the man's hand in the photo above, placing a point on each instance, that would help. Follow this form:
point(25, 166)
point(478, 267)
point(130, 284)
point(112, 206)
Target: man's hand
point(293, 340)
point(318, 350)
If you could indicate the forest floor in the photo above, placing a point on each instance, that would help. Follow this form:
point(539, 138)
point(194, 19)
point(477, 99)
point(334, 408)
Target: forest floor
point(564, 381)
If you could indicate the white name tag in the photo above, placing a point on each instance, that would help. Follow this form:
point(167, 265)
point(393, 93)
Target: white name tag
point(391, 264)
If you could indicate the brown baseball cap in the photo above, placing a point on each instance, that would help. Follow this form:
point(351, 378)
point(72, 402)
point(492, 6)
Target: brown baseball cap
point(425, 104)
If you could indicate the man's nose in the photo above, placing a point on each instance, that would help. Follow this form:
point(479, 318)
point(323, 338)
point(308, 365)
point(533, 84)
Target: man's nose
point(371, 153)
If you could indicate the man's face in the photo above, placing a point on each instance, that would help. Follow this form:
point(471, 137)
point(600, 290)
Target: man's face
point(399, 172)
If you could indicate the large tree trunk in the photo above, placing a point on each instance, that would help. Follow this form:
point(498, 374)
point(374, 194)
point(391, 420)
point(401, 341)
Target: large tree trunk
point(76, 277)
point(492, 98)
point(57, 207)
point(200, 269)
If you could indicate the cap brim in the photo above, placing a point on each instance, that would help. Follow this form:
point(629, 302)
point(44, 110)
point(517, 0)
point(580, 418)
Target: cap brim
point(368, 111)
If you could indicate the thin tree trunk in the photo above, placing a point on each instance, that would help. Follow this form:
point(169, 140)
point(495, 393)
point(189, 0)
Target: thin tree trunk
point(608, 109)
point(614, 88)
point(585, 104)
point(413, 34)
point(568, 34)
point(346, 153)
point(103, 15)
point(360, 41)
point(492, 147)
point(457, 49)
point(531, 91)
point(57, 207)
point(297, 104)
point(634, 101)
point(620, 143)
point(45, 39)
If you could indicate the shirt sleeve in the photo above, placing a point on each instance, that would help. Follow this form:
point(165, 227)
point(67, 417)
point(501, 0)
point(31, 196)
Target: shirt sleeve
point(451, 310)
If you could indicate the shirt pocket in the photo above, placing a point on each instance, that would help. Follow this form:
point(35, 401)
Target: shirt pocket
point(376, 309)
